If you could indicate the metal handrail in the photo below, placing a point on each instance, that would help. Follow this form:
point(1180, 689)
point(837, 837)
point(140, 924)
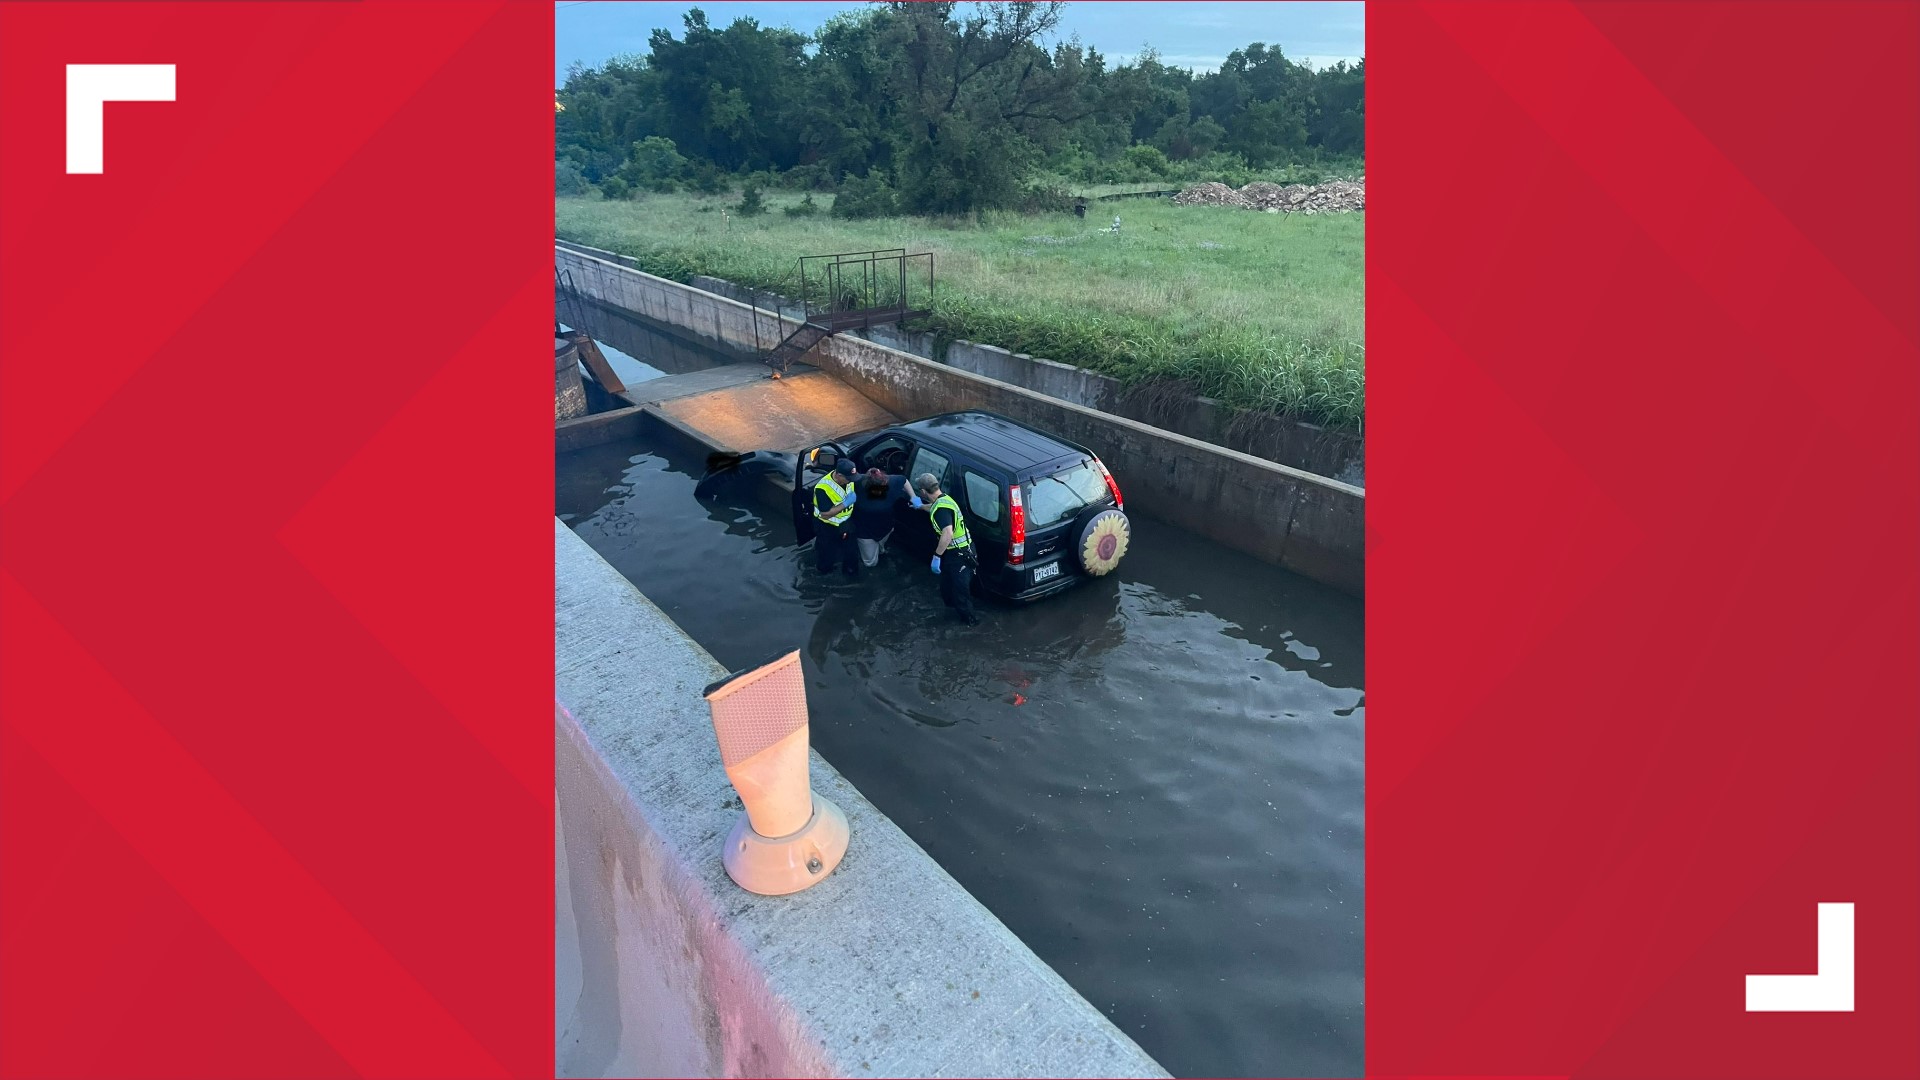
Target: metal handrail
point(847, 306)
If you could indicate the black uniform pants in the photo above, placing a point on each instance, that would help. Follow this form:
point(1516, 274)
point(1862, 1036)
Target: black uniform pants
point(833, 543)
point(956, 581)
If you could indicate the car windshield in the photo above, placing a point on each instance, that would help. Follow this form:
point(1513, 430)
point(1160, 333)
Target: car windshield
point(1051, 499)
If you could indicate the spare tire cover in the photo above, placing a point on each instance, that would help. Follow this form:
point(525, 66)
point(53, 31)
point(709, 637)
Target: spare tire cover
point(1103, 540)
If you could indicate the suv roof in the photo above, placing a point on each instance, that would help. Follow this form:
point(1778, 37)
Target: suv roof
point(995, 440)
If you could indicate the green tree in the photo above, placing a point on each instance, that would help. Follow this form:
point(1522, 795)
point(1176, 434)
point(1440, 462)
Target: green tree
point(867, 197)
point(1339, 123)
point(655, 164)
point(1147, 159)
point(729, 95)
point(567, 179)
point(940, 107)
point(980, 99)
point(1205, 135)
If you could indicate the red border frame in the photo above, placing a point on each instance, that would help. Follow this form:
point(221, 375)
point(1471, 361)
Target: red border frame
point(1644, 455)
point(1644, 449)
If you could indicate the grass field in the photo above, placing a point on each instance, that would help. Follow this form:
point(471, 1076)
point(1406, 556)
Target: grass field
point(1262, 310)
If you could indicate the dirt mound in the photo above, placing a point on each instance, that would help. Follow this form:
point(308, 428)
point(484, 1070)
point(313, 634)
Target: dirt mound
point(1332, 197)
point(1209, 194)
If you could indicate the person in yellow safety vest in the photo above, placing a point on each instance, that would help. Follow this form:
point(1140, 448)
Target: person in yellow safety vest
point(833, 499)
point(953, 556)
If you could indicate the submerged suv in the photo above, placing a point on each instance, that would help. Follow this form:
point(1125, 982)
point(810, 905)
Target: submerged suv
point(1043, 512)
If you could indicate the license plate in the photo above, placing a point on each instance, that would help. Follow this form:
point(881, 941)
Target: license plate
point(1042, 573)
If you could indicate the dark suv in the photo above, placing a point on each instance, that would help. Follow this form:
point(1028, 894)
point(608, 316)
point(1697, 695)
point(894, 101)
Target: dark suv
point(1043, 512)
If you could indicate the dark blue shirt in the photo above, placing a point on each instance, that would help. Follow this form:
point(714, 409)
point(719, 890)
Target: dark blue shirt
point(873, 515)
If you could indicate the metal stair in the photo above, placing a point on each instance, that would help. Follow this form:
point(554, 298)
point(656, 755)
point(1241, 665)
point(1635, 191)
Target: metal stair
point(851, 290)
point(796, 345)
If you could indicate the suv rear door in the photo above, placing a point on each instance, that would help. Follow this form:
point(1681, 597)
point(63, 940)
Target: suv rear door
point(1055, 499)
point(983, 499)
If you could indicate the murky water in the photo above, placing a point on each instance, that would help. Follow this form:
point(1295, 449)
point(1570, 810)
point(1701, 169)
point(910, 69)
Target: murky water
point(1154, 779)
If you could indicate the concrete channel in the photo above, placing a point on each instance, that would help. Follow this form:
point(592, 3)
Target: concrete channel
point(1127, 818)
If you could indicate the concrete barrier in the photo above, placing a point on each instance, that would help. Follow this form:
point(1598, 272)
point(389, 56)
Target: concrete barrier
point(663, 967)
point(1297, 519)
point(1339, 455)
point(761, 298)
point(1309, 447)
point(922, 343)
point(1064, 381)
point(622, 424)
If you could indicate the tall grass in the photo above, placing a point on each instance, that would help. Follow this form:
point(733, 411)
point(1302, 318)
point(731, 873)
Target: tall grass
point(1263, 311)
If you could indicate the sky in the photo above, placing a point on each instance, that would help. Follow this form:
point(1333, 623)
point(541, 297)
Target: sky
point(1188, 34)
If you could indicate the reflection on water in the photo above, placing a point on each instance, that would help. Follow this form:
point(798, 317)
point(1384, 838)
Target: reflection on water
point(632, 372)
point(1154, 779)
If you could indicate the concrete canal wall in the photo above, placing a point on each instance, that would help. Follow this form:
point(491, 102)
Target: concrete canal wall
point(1302, 521)
point(663, 967)
point(1309, 447)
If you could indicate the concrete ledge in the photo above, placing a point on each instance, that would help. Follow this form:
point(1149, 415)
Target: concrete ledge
point(665, 968)
point(1300, 520)
point(597, 428)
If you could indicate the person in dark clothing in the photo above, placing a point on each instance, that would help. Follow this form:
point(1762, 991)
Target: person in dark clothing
point(873, 514)
point(833, 502)
point(953, 556)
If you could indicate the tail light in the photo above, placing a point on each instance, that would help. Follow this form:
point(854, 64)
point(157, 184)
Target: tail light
point(1118, 502)
point(1017, 551)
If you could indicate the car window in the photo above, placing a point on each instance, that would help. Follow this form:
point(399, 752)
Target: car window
point(983, 497)
point(1055, 498)
point(889, 455)
point(928, 460)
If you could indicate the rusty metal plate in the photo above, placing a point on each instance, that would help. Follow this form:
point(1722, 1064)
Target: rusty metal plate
point(777, 414)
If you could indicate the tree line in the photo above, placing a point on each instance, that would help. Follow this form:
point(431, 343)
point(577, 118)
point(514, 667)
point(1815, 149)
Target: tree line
point(929, 108)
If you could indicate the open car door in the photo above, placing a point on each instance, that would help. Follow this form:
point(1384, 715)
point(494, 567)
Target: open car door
point(808, 466)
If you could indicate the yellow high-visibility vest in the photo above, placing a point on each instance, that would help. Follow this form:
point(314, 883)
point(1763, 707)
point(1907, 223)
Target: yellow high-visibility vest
point(960, 538)
point(838, 493)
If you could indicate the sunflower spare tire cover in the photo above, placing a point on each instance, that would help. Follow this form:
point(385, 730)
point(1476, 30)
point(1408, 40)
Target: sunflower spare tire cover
point(1103, 540)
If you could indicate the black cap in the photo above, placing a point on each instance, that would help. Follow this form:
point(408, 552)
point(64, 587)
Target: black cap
point(844, 466)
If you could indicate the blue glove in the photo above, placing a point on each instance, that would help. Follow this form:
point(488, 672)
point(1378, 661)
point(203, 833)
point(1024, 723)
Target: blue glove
point(918, 502)
point(936, 564)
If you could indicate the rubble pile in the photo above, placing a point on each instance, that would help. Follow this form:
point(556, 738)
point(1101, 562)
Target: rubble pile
point(1209, 194)
point(1332, 197)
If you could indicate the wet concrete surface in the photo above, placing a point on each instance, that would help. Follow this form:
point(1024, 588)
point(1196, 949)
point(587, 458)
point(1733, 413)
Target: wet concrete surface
point(1155, 779)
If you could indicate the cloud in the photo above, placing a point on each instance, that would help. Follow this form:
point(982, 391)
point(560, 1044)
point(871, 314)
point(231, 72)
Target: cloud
point(1188, 60)
point(1202, 62)
point(1318, 61)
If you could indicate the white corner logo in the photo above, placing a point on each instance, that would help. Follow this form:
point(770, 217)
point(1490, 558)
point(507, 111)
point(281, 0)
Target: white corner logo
point(89, 88)
point(1829, 988)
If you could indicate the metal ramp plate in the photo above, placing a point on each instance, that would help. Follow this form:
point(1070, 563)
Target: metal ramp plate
point(792, 413)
